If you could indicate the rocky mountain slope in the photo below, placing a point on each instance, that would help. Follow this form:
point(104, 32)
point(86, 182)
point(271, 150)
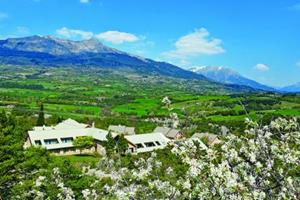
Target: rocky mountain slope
point(51, 51)
point(228, 76)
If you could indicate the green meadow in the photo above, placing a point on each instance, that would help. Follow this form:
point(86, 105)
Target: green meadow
point(113, 97)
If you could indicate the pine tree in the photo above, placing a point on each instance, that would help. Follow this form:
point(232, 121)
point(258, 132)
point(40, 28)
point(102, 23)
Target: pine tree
point(110, 144)
point(122, 144)
point(11, 153)
point(3, 118)
point(41, 117)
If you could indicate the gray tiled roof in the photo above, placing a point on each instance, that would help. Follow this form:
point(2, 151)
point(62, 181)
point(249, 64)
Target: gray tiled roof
point(168, 132)
point(172, 133)
point(160, 129)
point(122, 129)
point(210, 137)
point(142, 139)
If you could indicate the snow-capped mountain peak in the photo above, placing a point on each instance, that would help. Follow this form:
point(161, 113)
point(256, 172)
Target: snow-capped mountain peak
point(226, 75)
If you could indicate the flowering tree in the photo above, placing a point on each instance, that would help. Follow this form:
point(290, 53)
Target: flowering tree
point(264, 162)
point(261, 163)
point(166, 101)
point(174, 120)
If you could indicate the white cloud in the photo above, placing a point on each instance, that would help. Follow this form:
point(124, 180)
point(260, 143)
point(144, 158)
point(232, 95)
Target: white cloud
point(74, 33)
point(261, 67)
point(3, 15)
point(84, 1)
point(117, 37)
point(22, 30)
point(194, 44)
point(19, 31)
point(295, 7)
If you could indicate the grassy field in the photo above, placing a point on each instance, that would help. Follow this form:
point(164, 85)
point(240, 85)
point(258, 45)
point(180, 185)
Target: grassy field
point(141, 107)
point(77, 160)
point(130, 99)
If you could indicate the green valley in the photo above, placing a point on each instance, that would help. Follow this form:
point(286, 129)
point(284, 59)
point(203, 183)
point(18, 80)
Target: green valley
point(116, 96)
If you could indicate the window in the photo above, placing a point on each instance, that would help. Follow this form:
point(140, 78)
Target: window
point(131, 150)
point(66, 140)
point(139, 145)
point(51, 141)
point(38, 142)
point(150, 144)
point(157, 143)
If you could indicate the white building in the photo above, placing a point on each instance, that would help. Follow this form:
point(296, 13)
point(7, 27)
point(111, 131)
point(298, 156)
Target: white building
point(146, 142)
point(59, 139)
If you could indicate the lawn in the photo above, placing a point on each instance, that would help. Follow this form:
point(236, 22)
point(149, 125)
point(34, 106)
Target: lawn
point(216, 118)
point(139, 107)
point(78, 160)
point(288, 112)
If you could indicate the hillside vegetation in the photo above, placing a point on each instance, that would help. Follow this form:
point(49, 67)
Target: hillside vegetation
point(123, 97)
point(116, 96)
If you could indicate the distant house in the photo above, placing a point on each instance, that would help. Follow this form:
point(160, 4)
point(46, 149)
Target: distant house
point(59, 139)
point(224, 130)
point(211, 138)
point(170, 133)
point(119, 129)
point(146, 142)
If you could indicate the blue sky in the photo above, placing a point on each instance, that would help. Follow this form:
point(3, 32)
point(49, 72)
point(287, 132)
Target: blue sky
point(259, 39)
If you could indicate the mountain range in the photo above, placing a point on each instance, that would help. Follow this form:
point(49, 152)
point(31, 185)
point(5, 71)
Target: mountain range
point(228, 76)
point(50, 51)
point(291, 88)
